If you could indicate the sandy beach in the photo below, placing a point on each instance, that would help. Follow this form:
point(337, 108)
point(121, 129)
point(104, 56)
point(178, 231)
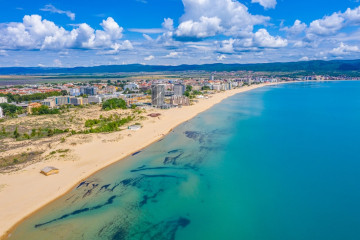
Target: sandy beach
point(25, 191)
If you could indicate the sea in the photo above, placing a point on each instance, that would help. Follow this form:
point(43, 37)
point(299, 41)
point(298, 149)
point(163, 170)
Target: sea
point(280, 162)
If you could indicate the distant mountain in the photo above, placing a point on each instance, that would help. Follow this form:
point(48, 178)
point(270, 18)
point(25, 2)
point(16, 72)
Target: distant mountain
point(316, 67)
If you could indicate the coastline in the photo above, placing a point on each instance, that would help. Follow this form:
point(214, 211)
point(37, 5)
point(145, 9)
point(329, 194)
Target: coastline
point(102, 151)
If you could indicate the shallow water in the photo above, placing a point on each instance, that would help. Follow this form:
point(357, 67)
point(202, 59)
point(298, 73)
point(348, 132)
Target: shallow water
point(280, 162)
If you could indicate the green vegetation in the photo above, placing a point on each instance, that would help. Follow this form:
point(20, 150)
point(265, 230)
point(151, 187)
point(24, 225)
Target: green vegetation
point(11, 110)
point(32, 97)
point(34, 134)
point(18, 159)
point(110, 124)
point(204, 88)
point(114, 103)
point(44, 110)
point(191, 94)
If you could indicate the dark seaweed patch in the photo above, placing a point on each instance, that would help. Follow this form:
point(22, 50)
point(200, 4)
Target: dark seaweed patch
point(164, 230)
point(146, 198)
point(135, 153)
point(79, 211)
point(154, 168)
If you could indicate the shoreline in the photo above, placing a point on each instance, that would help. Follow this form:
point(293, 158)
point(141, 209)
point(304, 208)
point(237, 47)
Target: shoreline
point(48, 189)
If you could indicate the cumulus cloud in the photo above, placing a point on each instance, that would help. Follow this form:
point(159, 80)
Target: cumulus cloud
point(204, 18)
point(296, 29)
point(327, 25)
point(266, 3)
point(37, 33)
point(344, 49)
point(330, 25)
point(51, 8)
point(172, 55)
point(260, 39)
point(149, 58)
point(205, 27)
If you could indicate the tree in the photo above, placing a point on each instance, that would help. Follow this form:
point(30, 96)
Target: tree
point(114, 103)
point(189, 88)
point(44, 110)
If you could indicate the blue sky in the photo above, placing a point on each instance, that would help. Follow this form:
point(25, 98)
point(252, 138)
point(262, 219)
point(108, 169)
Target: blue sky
point(171, 32)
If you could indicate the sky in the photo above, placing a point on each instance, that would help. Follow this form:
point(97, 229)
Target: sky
point(44, 33)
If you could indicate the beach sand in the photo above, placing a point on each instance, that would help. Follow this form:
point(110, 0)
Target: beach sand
point(25, 191)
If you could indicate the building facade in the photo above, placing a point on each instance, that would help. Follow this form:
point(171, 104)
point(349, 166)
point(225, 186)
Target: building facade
point(158, 95)
point(88, 90)
point(179, 89)
point(1, 113)
point(179, 101)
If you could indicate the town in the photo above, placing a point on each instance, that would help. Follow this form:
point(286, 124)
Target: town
point(21, 100)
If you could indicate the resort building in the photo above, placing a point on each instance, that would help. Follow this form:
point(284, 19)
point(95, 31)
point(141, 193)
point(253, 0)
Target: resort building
point(76, 101)
point(50, 102)
point(179, 89)
point(3, 100)
point(158, 95)
point(74, 92)
point(131, 86)
point(94, 99)
point(88, 90)
point(179, 101)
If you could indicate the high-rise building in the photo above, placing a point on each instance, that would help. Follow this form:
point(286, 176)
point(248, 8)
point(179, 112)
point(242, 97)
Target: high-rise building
point(158, 95)
point(179, 89)
point(75, 92)
point(88, 90)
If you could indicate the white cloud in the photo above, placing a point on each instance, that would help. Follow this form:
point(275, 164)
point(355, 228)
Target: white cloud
point(147, 37)
point(266, 3)
point(295, 29)
point(327, 25)
point(260, 39)
point(168, 24)
point(352, 15)
point(263, 39)
point(172, 55)
point(3, 53)
point(330, 25)
point(149, 58)
point(51, 8)
point(206, 27)
point(37, 33)
point(344, 49)
point(227, 46)
point(221, 57)
point(204, 18)
point(304, 59)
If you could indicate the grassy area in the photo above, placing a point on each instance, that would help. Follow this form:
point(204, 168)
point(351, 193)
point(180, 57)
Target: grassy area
point(109, 124)
point(13, 160)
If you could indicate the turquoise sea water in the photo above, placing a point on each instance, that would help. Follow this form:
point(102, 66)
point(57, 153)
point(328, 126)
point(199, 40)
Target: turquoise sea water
point(277, 163)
